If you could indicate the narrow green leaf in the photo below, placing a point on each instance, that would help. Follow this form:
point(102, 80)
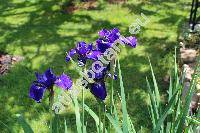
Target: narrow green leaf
point(116, 115)
point(155, 86)
point(77, 113)
point(65, 126)
point(170, 90)
point(187, 105)
point(117, 128)
point(9, 129)
point(193, 120)
point(131, 126)
point(94, 116)
point(164, 115)
point(55, 124)
point(153, 107)
point(123, 100)
point(26, 127)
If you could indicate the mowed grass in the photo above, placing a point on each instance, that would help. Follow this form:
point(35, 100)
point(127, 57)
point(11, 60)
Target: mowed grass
point(38, 31)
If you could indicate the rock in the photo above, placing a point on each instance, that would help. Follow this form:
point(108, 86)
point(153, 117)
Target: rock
point(194, 104)
point(182, 45)
point(188, 55)
point(6, 62)
point(188, 72)
point(5, 59)
point(17, 59)
point(185, 90)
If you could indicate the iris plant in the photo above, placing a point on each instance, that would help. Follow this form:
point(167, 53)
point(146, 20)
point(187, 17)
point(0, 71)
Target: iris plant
point(83, 52)
point(46, 81)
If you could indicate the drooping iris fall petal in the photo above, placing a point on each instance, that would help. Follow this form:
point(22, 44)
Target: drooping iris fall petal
point(36, 91)
point(64, 82)
point(131, 41)
point(98, 89)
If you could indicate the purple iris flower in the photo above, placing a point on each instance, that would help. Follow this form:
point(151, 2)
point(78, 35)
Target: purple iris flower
point(98, 88)
point(84, 52)
point(108, 37)
point(47, 79)
point(45, 82)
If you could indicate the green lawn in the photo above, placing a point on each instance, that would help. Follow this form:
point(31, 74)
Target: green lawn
point(38, 31)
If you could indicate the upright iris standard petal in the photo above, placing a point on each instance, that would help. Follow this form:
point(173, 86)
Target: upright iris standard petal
point(114, 35)
point(81, 48)
point(107, 38)
point(48, 78)
point(83, 52)
point(36, 91)
point(103, 33)
point(99, 90)
point(64, 82)
point(71, 53)
point(90, 47)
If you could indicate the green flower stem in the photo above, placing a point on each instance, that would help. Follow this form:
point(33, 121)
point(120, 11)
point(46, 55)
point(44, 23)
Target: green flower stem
point(113, 65)
point(99, 116)
point(83, 110)
point(51, 98)
point(104, 118)
point(83, 113)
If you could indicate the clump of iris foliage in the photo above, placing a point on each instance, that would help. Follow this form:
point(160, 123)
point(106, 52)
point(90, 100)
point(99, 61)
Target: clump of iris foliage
point(172, 116)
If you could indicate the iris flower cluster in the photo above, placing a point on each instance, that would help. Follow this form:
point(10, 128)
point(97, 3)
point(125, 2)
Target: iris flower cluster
point(83, 52)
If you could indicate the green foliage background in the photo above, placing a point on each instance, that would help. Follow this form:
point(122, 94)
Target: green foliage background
point(37, 30)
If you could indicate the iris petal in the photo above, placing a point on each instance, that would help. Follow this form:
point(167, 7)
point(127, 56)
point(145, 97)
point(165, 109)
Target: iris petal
point(99, 90)
point(64, 82)
point(90, 47)
point(103, 33)
point(93, 55)
point(103, 45)
point(71, 53)
point(48, 78)
point(81, 48)
point(131, 41)
point(37, 91)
